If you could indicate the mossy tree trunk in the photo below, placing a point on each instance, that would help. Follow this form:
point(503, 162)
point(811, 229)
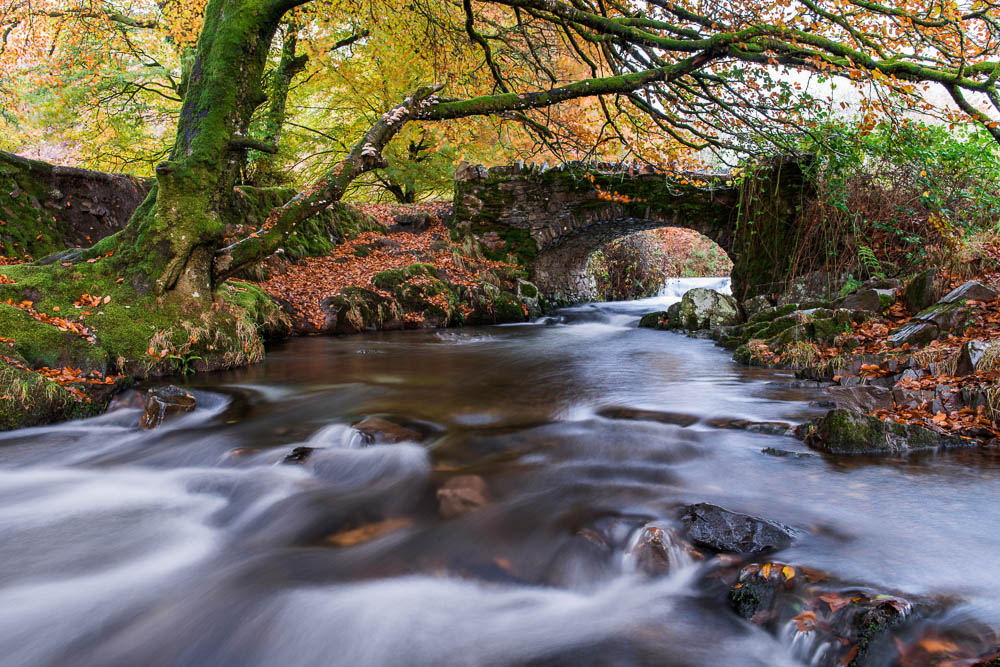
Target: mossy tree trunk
point(172, 238)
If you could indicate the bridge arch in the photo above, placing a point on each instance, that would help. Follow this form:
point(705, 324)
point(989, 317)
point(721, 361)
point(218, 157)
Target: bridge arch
point(560, 268)
point(553, 220)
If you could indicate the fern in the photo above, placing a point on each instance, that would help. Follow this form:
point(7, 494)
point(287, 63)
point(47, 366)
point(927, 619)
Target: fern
point(870, 262)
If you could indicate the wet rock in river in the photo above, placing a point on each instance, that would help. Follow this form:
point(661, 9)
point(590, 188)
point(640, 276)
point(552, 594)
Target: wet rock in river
point(767, 428)
point(845, 432)
point(460, 495)
point(703, 308)
point(657, 550)
point(837, 626)
point(164, 402)
point(652, 320)
point(298, 455)
point(376, 430)
point(719, 529)
point(785, 453)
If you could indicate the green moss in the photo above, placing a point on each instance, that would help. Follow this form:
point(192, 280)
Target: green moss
point(42, 344)
point(314, 237)
point(773, 313)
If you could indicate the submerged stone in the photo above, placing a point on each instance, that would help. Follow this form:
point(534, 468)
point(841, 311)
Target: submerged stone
point(376, 430)
point(460, 495)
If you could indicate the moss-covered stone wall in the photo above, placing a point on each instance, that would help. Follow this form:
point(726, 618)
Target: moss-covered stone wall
point(46, 208)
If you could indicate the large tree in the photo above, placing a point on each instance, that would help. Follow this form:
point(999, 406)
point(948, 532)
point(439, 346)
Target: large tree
point(727, 74)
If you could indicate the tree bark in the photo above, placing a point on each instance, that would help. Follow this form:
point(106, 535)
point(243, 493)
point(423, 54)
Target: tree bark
point(172, 238)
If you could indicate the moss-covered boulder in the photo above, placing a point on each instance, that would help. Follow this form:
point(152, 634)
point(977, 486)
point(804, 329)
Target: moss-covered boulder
point(45, 208)
point(29, 399)
point(845, 432)
point(653, 320)
point(921, 291)
point(703, 308)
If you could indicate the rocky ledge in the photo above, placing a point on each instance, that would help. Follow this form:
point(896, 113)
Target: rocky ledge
point(905, 366)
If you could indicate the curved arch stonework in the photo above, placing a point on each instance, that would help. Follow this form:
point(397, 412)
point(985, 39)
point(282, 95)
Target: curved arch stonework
point(553, 220)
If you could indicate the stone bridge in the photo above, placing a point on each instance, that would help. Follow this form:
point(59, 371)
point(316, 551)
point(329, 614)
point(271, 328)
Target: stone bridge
point(554, 219)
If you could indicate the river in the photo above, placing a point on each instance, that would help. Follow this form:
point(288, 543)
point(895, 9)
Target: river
point(193, 544)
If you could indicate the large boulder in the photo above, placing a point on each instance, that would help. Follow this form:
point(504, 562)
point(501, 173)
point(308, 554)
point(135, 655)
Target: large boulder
point(719, 529)
point(847, 432)
point(703, 308)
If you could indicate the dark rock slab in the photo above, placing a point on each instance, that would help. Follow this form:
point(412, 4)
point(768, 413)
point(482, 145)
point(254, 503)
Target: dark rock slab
point(863, 299)
point(974, 356)
point(915, 333)
point(969, 291)
point(861, 398)
point(921, 291)
point(164, 402)
point(719, 529)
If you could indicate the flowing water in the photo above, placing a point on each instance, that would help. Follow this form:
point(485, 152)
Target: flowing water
point(193, 544)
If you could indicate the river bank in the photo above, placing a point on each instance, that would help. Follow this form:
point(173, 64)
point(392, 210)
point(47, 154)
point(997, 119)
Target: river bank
point(921, 355)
